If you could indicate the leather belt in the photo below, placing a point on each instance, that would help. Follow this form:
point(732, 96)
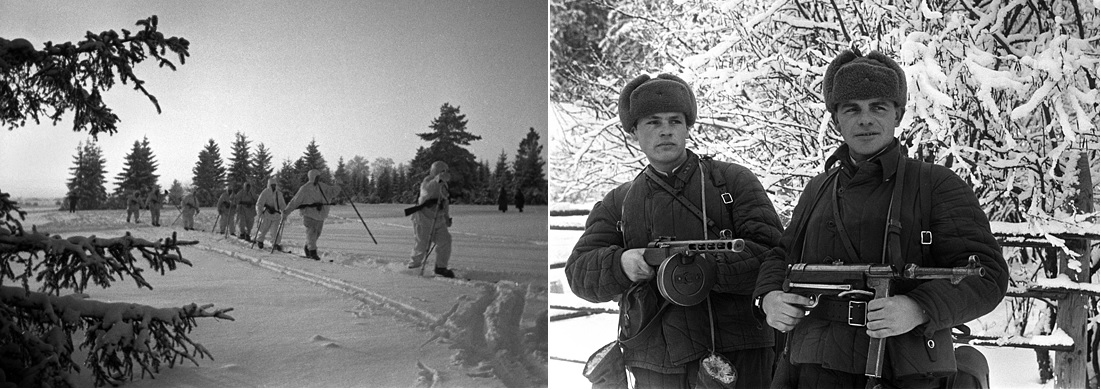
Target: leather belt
point(854, 313)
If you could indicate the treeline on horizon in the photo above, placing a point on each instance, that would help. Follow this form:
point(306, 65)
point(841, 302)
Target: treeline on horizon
point(362, 180)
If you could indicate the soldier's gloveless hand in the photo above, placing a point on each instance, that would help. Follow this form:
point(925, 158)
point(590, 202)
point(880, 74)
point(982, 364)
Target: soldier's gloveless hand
point(892, 316)
point(784, 310)
point(634, 265)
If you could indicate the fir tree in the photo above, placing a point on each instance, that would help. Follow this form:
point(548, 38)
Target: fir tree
point(138, 171)
point(261, 165)
point(209, 174)
point(502, 176)
point(360, 175)
point(448, 137)
point(87, 185)
point(240, 170)
point(528, 168)
point(288, 179)
point(38, 346)
point(340, 176)
point(175, 192)
point(312, 159)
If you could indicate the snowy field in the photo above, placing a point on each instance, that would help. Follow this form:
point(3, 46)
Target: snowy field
point(1010, 368)
point(363, 320)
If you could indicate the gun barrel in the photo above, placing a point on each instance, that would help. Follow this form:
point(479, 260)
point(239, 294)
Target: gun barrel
point(954, 274)
point(735, 245)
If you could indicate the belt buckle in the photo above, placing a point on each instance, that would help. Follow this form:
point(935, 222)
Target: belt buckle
point(860, 316)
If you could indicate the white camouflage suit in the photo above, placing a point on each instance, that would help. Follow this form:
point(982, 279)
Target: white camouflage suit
point(430, 223)
point(269, 216)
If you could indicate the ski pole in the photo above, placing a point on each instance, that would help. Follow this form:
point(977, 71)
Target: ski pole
point(432, 235)
point(216, 220)
point(362, 221)
point(177, 216)
point(278, 232)
point(255, 231)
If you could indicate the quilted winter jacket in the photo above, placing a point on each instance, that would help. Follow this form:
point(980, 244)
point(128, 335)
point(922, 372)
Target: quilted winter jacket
point(647, 212)
point(959, 228)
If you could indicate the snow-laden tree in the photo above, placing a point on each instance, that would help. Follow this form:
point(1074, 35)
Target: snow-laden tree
point(89, 175)
point(42, 276)
point(72, 76)
point(1003, 92)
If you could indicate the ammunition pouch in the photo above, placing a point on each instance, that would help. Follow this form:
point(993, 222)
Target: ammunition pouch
point(912, 355)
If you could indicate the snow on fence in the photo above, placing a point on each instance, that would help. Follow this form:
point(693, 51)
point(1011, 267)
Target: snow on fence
point(1036, 234)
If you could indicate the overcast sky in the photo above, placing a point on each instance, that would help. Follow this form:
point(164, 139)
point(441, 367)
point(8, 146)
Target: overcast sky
point(359, 77)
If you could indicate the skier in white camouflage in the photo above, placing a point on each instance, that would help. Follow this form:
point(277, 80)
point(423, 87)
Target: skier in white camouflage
point(189, 206)
point(226, 211)
point(246, 213)
point(313, 201)
point(268, 207)
point(431, 218)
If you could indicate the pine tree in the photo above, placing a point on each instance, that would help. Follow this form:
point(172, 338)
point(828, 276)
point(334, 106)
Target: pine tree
point(288, 179)
point(40, 348)
point(384, 184)
point(87, 185)
point(138, 171)
point(502, 176)
point(448, 137)
point(340, 176)
point(209, 174)
point(261, 165)
point(175, 192)
point(528, 168)
point(312, 159)
point(361, 177)
point(240, 170)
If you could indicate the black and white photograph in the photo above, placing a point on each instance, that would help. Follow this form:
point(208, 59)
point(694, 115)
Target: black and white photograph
point(273, 194)
point(823, 194)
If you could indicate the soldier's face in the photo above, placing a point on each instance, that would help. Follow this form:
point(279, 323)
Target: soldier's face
point(662, 137)
point(867, 125)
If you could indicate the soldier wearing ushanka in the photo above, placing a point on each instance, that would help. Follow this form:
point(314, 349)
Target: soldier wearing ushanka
point(667, 342)
point(842, 217)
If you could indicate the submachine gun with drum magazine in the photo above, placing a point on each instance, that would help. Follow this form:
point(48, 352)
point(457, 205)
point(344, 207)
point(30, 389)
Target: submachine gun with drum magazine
point(870, 281)
point(685, 274)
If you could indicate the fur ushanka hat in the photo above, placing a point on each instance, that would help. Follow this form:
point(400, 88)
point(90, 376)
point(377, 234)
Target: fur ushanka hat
point(644, 96)
point(854, 77)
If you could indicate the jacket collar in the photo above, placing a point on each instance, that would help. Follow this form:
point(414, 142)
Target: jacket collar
point(887, 158)
point(681, 174)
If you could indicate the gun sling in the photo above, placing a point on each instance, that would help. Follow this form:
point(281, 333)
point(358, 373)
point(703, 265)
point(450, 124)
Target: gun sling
point(680, 197)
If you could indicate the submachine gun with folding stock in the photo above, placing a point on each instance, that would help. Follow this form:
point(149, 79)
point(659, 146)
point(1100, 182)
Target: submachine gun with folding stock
point(683, 277)
point(868, 280)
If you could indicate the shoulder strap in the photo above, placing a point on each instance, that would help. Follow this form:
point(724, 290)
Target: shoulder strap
point(719, 180)
point(679, 197)
point(846, 242)
point(892, 244)
point(925, 202)
point(801, 228)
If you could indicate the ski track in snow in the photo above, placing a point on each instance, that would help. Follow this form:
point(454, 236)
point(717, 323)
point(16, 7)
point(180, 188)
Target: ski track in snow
point(518, 357)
